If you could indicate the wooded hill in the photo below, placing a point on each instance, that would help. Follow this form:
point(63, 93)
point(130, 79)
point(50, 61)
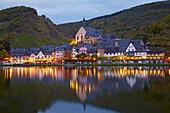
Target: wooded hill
point(125, 23)
point(21, 27)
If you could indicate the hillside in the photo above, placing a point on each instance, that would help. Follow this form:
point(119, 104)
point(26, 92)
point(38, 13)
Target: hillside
point(124, 23)
point(21, 27)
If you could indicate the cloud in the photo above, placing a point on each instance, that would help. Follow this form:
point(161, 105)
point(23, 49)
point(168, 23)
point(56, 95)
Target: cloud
point(62, 11)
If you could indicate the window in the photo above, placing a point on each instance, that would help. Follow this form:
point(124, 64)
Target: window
point(81, 37)
point(77, 37)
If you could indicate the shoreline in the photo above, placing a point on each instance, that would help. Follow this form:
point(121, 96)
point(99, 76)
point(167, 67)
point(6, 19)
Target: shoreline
point(30, 65)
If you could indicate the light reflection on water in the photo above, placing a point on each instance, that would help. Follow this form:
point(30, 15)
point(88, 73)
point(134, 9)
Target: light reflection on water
point(89, 79)
point(89, 83)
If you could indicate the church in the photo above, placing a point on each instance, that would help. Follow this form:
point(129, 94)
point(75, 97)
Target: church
point(87, 35)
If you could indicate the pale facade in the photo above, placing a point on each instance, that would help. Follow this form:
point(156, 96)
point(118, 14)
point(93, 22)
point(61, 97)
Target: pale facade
point(40, 55)
point(83, 50)
point(130, 48)
point(80, 35)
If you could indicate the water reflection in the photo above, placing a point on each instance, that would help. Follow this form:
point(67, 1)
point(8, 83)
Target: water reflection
point(89, 82)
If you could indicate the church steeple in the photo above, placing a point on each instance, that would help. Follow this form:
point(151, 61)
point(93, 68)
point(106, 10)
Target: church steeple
point(84, 22)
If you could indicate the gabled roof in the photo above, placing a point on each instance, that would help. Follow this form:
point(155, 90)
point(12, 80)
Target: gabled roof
point(112, 36)
point(34, 49)
point(123, 43)
point(44, 47)
point(112, 49)
point(92, 50)
point(137, 45)
point(35, 53)
point(19, 53)
point(102, 39)
point(107, 43)
point(65, 45)
point(92, 32)
point(87, 46)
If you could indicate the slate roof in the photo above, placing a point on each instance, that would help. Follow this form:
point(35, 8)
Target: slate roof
point(19, 53)
point(108, 43)
point(137, 45)
point(112, 36)
point(60, 49)
point(65, 45)
point(92, 32)
point(151, 52)
point(92, 50)
point(87, 46)
point(102, 39)
point(123, 43)
point(34, 49)
point(113, 49)
point(45, 47)
point(35, 53)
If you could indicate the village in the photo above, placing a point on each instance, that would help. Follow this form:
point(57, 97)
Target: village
point(90, 46)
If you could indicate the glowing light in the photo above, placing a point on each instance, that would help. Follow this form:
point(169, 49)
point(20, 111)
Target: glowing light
point(73, 41)
point(89, 89)
point(85, 88)
point(154, 72)
point(98, 75)
point(76, 85)
point(10, 71)
point(94, 71)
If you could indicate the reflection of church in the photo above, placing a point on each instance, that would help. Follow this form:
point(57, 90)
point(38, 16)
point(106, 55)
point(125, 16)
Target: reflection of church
point(88, 82)
point(91, 83)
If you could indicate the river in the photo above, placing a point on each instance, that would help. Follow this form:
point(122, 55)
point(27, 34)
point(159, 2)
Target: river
point(88, 89)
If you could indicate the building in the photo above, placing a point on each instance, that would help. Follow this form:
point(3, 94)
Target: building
point(19, 56)
point(87, 35)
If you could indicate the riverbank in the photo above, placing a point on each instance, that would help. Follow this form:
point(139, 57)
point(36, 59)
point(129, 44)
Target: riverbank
point(24, 65)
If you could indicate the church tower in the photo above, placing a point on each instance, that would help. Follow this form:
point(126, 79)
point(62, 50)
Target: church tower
point(84, 22)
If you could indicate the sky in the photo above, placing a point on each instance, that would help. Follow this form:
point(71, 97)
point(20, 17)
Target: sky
point(65, 11)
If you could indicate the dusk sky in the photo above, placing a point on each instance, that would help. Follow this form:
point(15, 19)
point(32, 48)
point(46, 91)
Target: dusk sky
point(64, 11)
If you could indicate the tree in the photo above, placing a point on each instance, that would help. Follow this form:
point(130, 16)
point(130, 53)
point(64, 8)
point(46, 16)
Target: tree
point(3, 54)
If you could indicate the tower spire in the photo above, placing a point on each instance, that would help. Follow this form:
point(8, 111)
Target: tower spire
point(84, 22)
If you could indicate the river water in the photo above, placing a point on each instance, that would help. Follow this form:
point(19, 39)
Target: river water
point(55, 89)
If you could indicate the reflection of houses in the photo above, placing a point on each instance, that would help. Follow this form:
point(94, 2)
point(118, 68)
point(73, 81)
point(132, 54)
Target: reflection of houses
point(92, 82)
